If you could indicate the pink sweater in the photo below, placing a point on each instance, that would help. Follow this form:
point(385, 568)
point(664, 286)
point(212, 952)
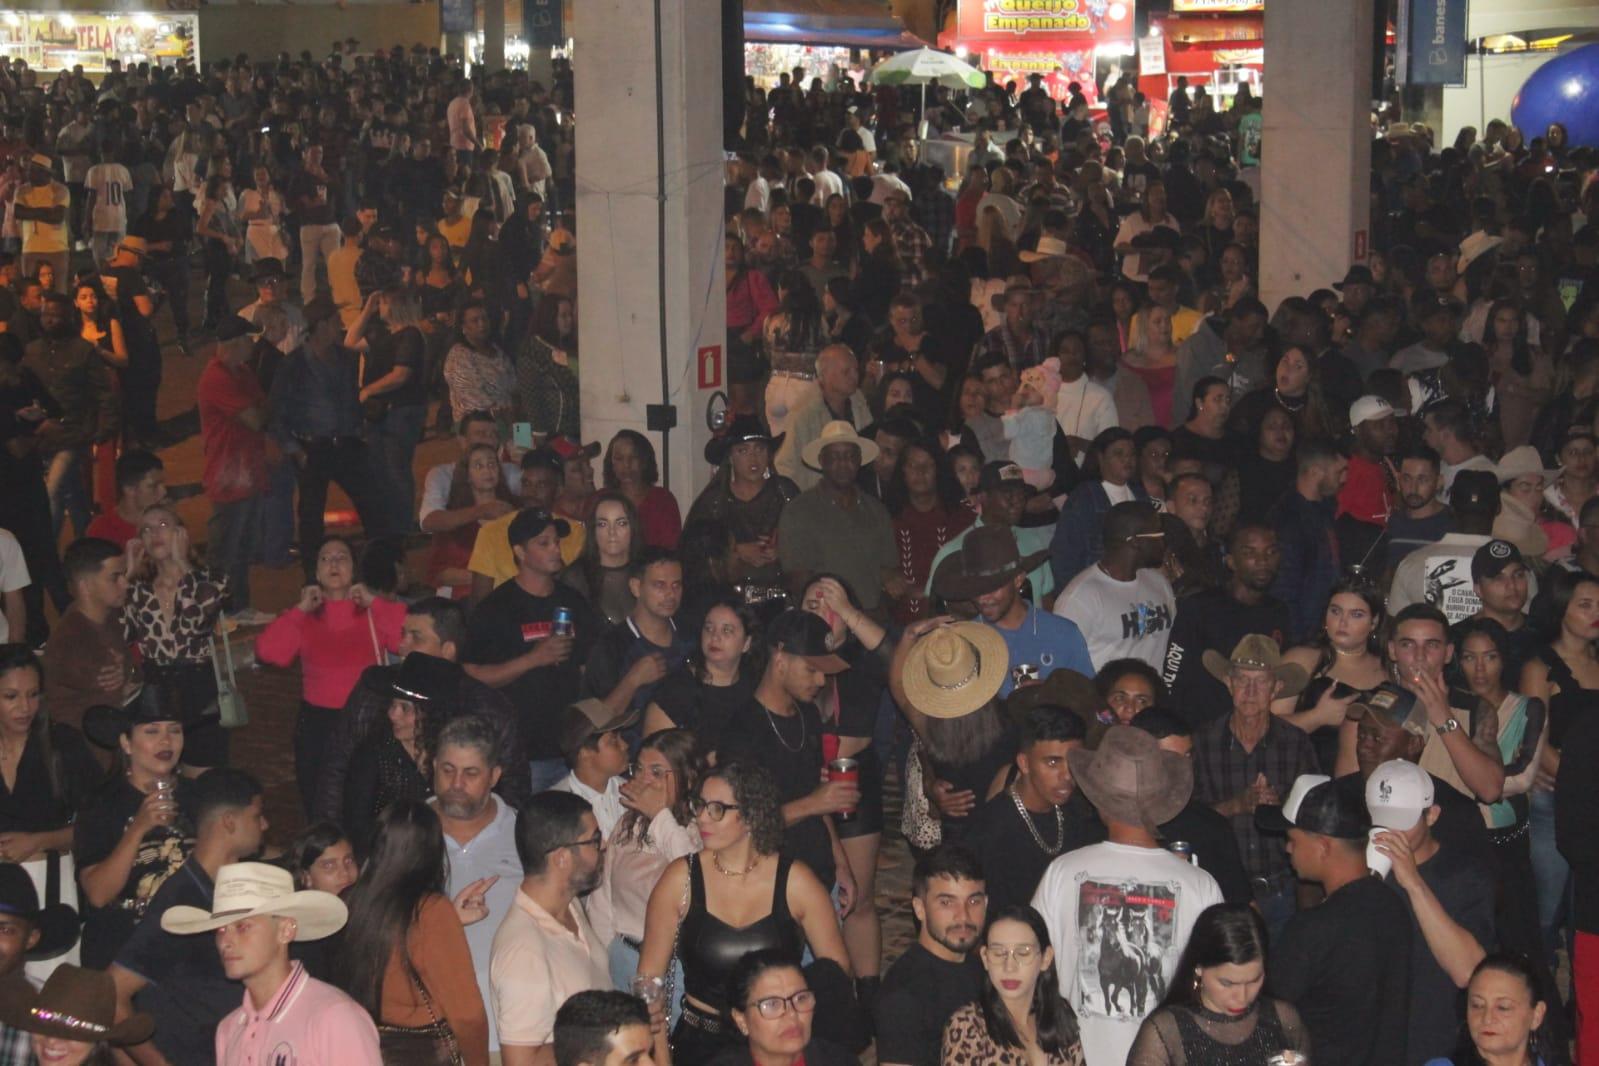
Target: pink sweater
point(333, 645)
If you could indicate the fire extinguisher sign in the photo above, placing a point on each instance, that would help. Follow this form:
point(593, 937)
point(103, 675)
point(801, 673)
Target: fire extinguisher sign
point(709, 362)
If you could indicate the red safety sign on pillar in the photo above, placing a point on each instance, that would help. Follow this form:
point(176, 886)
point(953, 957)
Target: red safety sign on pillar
point(1360, 246)
point(710, 366)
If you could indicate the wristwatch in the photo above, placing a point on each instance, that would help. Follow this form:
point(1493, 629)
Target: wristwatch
point(1450, 725)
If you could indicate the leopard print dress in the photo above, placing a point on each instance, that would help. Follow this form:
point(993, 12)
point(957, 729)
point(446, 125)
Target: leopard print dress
point(967, 1043)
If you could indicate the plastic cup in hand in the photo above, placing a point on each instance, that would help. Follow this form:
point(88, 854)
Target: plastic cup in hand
point(844, 769)
point(1377, 862)
point(652, 990)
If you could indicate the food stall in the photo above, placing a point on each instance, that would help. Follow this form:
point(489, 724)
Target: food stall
point(1217, 44)
point(1065, 41)
point(50, 41)
point(829, 39)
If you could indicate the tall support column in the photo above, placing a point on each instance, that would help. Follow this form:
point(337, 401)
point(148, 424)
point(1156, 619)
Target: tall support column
point(652, 318)
point(493, 35)
point(1315, 200)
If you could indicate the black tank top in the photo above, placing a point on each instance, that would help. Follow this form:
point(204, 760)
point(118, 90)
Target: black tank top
point(709, 948)
point(1570, 701)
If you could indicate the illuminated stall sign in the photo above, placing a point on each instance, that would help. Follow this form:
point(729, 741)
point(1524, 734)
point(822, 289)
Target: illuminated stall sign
point(55, 41)
point(1060, 66)
point(1017, 20)
point(1228, 6)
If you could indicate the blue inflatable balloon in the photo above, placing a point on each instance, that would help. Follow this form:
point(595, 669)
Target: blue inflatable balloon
point(1563, 90)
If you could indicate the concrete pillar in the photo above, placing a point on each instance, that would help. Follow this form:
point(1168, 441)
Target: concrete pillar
point(1316, 145)
point(493, 35)
point(620, 254)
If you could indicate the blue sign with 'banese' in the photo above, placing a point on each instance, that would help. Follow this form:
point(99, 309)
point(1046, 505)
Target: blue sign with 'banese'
point(1433, 42)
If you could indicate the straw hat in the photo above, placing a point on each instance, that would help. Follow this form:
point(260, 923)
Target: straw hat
point(74, 1004)
point(1257, 652)
point(1129, 779)
point(839, 432)
point(956, 669)
point(252, 889)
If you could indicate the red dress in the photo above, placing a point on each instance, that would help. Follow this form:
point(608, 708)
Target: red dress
point(661, 519)
point(918, 535)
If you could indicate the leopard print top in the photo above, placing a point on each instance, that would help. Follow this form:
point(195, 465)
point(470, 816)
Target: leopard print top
point(967, 1043)
point(185, 634)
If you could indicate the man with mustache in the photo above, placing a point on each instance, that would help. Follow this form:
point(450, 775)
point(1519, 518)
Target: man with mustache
point(545, 951)
point(940, 973)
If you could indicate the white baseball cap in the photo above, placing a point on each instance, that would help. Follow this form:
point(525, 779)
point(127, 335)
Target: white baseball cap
point(1369, 409)
point(1398, 794)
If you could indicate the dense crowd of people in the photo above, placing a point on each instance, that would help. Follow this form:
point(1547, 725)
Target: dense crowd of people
point(1231, 665)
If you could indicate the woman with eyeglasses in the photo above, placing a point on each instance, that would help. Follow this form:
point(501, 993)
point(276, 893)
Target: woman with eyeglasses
point(773, 1008)
point(737, 896)
point(1020, 1017)
point(171, 613)
point(657, 828)
point(1214, 1011)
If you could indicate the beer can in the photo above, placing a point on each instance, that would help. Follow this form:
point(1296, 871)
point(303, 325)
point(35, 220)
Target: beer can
point(1288, 1058)
point(1183, 850)
point(562, 624)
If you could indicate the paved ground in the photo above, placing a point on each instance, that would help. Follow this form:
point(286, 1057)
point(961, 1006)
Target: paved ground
point(272, 695)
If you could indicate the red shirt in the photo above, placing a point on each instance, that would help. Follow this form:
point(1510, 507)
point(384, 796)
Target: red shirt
point(1365, 492)
point(235, 454)
point(918, 535)
point(661, 519)
point(113, 527)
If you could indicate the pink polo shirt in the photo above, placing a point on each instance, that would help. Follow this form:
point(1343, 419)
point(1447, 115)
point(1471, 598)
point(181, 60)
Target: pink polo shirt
point(306, 1023)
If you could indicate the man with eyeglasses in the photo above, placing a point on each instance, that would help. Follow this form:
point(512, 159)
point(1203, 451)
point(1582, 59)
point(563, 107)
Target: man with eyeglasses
point(940, 973)
point(1251, 758)
point(593, 745)
point(1124, 604)
point(479, 832)
point(545, 951)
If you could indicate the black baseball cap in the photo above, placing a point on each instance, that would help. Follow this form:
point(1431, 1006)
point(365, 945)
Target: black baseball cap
point(1318, 804)
point(1491, 559)
point(1475, 491)
point(531, 521)
point(1002, 474)
point(797, 632)
point(232, 327)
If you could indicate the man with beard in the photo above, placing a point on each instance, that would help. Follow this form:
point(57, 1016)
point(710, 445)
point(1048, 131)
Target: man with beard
point(479, 834)
point(1217, 619)
point(545, 951)
point(781, 730)
point(1124, 605)
point(1310, 550)
point(989, 571)
point(1422, 518)
point(941, 972)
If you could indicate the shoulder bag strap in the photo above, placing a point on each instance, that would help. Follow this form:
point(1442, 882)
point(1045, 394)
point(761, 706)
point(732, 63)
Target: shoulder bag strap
point(372, 629)
point(438, 1023)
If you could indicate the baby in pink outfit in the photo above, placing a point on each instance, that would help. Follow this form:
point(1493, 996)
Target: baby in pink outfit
point(1030, 423)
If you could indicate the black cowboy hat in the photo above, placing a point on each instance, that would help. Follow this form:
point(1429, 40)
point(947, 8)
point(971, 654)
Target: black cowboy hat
point(56, 924)
point(156, 702)
point(743, 429)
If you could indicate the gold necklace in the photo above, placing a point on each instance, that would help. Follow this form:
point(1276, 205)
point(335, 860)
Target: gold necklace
point(716, 861)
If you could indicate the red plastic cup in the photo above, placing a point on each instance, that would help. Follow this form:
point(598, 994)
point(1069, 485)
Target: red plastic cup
point(844, 769)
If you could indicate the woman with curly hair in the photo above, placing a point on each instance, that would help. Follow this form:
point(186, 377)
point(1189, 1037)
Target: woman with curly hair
point(743, 897)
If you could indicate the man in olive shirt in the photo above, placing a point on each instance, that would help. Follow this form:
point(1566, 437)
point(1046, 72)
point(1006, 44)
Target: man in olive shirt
point(835, 528)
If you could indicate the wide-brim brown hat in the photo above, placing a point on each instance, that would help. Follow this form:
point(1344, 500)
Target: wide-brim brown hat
point(1062, 688)
point(74, 1004)
point(956, 669)
point(1130, 779)
point(1258, 652)
point(988, 557)
point(1019, 284)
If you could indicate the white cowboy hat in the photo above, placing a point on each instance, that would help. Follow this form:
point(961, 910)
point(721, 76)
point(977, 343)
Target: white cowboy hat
point(1474, 246)
point(839, 432)
point(251, 889)
point(1048, 248)
point(956, 669)
point(1523, 461)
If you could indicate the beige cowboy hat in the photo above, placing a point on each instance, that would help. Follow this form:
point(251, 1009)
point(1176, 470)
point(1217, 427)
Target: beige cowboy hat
point(1048, 248)
point(1257, 652)
point(1522, 461)
point(956, 669)
point(839, 432)
point(252, 889)
point(1129, 779)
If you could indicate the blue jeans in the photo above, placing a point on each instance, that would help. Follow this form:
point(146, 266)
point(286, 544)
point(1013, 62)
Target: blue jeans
point(234, 533)
point(277, 515)
point(624, 965)
point(546, 772)
point(1277, 901)
point(1550, 871)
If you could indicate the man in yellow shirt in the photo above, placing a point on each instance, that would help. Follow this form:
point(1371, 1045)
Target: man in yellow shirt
point(41, 213)
point(492, 563)
point(456, 225)
point(1165, 281)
